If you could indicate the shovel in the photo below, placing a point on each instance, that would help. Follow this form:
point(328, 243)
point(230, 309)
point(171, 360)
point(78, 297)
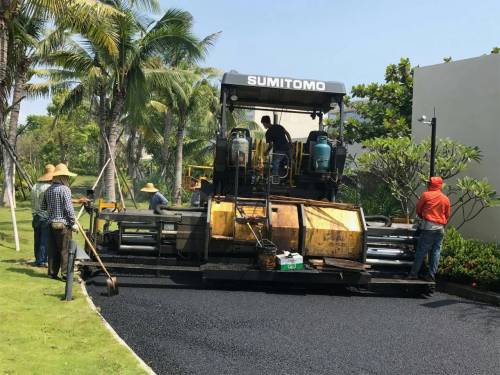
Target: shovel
point(111, 282)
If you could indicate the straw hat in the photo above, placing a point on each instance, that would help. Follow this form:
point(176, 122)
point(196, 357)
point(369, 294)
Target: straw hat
point(47, 174)
point(62, 170)
point(149, 188)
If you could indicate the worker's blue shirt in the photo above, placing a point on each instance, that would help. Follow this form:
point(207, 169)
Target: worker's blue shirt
point(157, 199)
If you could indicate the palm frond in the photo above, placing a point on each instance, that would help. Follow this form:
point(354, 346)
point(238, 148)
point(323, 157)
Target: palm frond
point(55, 74)
point(208, 42)
point(148, 5)
point(91, 18)
point(20, 35)
point(199, 148)
point(72, 99)
point(44, 89)
point(175, 16)
point(53, 40)
point(171, 36)
point(136, 84)
point(76, 60)
point(169, 81)
point(157, 106)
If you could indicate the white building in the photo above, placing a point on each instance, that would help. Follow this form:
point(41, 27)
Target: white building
point(466, 95)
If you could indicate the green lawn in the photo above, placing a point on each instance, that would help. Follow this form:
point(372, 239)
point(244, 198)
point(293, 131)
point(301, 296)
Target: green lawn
point(39, 333)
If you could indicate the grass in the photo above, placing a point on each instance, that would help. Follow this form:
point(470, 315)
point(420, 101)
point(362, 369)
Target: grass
point(40, 334)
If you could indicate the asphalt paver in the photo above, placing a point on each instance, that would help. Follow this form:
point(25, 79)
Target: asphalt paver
point(186, 328)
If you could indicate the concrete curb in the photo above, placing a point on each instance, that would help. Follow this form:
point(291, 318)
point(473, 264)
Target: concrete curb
point(143, 364)
point(468, 292)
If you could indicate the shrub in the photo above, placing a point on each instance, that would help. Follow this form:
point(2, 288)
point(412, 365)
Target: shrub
point(466, 261)
point(375, 199)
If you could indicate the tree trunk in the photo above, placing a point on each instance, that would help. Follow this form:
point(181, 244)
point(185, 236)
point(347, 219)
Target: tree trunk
point(4, 90)
point(5, 82)
point(19, 92)
point(4, 40)
point(178, 164)
point(130, 152)
point(102, 126)
point(114, 131)
point(165, 150)
point(102, 148)
point(137, 160)
point(62, 149)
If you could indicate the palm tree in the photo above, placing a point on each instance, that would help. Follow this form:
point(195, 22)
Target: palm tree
point(171, 99)
point(18, 18)
point(26, 54)
point(129, 75)
point(21, 44)
point(200, 107)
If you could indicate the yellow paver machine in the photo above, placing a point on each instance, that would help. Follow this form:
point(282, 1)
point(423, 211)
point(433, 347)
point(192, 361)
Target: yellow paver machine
point(256, 222)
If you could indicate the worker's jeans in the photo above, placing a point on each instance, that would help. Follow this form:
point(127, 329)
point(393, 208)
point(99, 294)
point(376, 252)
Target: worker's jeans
point(278, 158)
point(428, 240)
point(41, 233)
point(58, 250)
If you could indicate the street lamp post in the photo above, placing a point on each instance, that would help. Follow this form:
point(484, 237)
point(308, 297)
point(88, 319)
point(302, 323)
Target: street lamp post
point(433, 146)
point(432, 123)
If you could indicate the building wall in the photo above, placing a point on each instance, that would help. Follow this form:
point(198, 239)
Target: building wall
point(466, 95)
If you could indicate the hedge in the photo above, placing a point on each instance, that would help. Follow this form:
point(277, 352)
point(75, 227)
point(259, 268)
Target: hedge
point(470, 261)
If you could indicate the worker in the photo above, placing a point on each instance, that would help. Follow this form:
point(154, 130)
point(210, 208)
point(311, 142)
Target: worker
point(155, 197)
point(61, 218)
point(40, 217)
point(277, 139)
point(434, 209)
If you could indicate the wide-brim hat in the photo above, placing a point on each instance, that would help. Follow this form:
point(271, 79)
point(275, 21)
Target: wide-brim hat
point(149, 188)
point(62, 170)
point(47, 174)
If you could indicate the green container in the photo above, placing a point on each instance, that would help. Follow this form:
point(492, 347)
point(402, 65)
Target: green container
point(291, 267)
point(290, 262)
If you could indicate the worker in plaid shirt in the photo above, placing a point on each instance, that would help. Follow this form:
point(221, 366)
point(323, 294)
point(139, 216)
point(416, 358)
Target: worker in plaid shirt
point(61, 218)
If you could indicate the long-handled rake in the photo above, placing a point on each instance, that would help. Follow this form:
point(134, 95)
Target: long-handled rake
point(111, 282)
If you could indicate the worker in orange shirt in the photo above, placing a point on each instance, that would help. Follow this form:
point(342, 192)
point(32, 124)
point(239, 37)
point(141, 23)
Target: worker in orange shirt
point(434, 208)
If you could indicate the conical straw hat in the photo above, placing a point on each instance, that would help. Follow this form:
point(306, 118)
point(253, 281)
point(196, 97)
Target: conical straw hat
point(149, 188)
point(62, 170)
point(47, 174)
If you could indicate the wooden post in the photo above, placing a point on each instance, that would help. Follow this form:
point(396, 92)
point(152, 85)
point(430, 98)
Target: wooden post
point(119, 185)
point(13, 216)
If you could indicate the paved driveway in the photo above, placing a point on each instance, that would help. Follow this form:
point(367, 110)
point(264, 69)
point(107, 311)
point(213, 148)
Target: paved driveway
point(242, 330)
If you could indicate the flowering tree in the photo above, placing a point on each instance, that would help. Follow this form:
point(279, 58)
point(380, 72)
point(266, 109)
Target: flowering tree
point(404, 166)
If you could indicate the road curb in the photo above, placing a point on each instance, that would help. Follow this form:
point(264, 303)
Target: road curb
point(468, 292)
point(117, 337)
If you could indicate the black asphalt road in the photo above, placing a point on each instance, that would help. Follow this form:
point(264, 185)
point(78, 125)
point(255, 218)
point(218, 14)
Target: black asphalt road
point(238, 330)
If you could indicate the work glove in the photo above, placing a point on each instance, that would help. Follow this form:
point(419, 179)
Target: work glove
point(75, 228)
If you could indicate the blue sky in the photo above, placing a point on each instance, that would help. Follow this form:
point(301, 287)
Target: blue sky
point(349, 41)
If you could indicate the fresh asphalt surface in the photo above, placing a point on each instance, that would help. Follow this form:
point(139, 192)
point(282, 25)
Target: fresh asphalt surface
point(241, 329)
